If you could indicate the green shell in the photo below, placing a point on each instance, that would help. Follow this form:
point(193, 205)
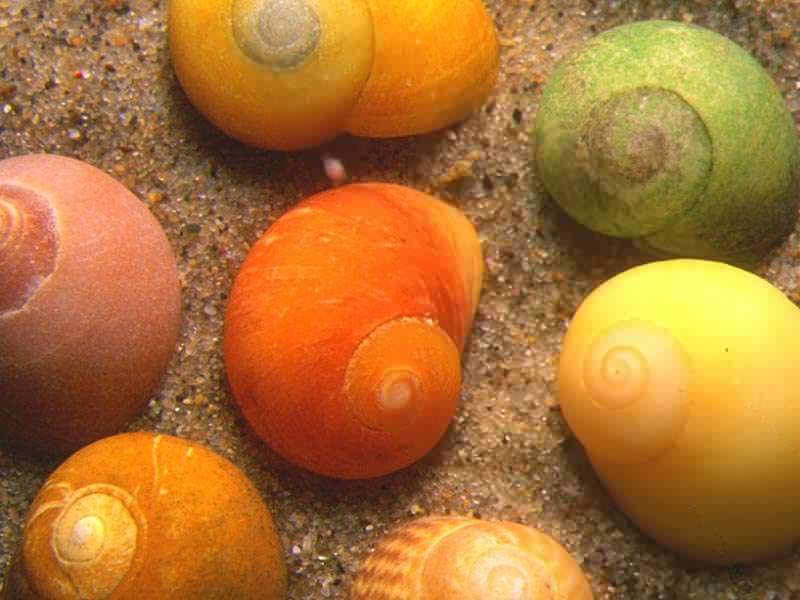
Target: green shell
point(673, 135)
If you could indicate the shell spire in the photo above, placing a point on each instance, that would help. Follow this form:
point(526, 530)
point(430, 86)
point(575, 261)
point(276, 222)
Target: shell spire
point(345, 325)
point(459, 558)
point(28, 245)
point(629, 402)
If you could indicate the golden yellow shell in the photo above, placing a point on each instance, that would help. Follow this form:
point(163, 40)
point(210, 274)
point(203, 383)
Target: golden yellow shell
point(459, 558)
point(680, 379)
point(141, 515)
point(287, 74)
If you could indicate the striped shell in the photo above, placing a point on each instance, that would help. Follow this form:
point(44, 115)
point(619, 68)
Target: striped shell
point(458, 558)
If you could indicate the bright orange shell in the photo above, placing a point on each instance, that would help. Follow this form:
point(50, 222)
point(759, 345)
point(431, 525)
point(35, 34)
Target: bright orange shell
point(344, 327)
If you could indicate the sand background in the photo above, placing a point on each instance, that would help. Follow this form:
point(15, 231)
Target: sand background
point(93, 80)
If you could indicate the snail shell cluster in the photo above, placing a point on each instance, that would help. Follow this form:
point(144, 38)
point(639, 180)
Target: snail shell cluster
point(679, 379)
point(89, 303)
point(460, 558)
point(288, 74)
point(345, 325)
point(674, 136)
point(141, 515)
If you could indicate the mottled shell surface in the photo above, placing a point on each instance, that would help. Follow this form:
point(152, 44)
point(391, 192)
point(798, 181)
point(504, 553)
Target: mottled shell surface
point(344, 328)
point(141, 515)
point(679, 379)
point(459, 558)
point(288, 74)
point(674, 136)
point(89, 306)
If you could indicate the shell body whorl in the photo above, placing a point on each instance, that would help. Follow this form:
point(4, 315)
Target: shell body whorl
point(345, 324)
point(289, 74)
point(459, 558)
point(677, 377)
point(673, 136)
point(435, 63)
point(89, 306)
point(147, 516)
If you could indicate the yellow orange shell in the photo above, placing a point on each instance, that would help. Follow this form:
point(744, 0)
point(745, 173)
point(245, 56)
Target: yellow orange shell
point(287, 74)
point(434, 64)
point(459, 558)
point(345, 324)
point(141, 515)
point(679, 378)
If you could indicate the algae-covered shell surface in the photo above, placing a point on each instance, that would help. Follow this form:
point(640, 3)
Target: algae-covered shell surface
point(673, 135)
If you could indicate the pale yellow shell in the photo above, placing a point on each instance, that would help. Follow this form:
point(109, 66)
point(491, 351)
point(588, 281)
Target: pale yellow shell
point(459, 558)
point(680, 378)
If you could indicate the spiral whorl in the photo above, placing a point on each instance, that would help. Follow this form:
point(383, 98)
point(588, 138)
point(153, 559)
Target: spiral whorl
point(95, 540)
point(646, 156)
point(482, 562)
point(279, 34)
point(628, 401)
point(405, 370)
point(93, 533)
point(28, 246)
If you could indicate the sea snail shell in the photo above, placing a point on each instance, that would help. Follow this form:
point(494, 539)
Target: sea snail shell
point(680, 380)
point(140, 515)
point(674, 136)
point(344, 328)
point(458, 558)
point(89, 303)
point(288, 74)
